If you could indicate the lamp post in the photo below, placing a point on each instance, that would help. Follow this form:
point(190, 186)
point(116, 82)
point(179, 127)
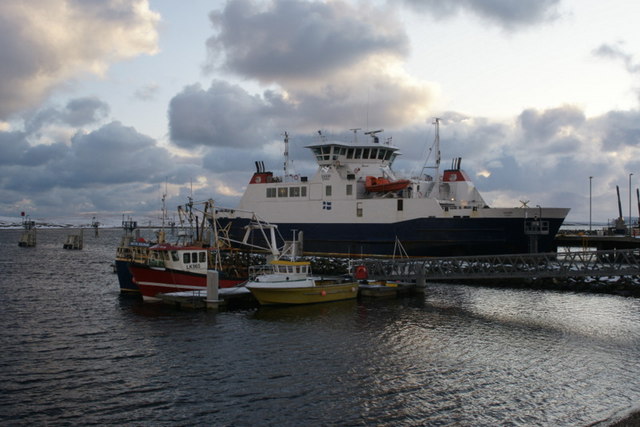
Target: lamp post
point(590, 179)
point(630, 226)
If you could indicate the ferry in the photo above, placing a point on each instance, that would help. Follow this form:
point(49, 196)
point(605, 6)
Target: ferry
point(356, 205)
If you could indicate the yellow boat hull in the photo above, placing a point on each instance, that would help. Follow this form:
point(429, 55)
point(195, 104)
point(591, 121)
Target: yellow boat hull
point(305, 295)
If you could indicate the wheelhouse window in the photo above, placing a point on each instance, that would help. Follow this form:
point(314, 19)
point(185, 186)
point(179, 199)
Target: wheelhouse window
point(350, 153)
point(202, 257)
point(186, 257)
point(374, 153)
point(358, 153)
point(365, 153)
point(327, 190)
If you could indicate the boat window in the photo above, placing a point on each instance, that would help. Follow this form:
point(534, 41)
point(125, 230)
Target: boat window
point(202, 257)
point(326, 151)
point(358, 153)
point(381, 154)
point(294, 191)
point(327, 190)
point(349, 189)
point(186, 258)
point(359, 209)
point(303, 191)
point(374, 153)
point(392, 158)
point(304, 269)
point(194, 257)
point(271, 192)
point(365, 153)
point(350, 153)
point(400, 204)
point(282, 192)
point(174, 256)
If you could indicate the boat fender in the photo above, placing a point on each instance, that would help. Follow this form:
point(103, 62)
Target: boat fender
point(323, 293)
point(361, 273)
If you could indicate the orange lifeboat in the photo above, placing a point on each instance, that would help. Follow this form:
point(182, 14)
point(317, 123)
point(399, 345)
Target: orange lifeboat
point(380, 184)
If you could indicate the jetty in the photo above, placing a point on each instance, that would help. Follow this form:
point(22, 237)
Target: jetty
point(28, 236)
point(74, 241)
point(591, 265)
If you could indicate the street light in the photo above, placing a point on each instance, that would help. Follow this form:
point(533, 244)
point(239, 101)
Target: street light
point(630, 226)
point(590, 179)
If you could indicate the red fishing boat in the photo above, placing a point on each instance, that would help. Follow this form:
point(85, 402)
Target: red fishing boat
point(176, 268)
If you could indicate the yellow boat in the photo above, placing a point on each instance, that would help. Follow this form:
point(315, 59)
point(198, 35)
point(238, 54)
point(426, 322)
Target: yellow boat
point(290, 282)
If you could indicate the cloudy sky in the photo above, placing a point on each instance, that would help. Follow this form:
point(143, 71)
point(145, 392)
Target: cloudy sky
point(106, 104)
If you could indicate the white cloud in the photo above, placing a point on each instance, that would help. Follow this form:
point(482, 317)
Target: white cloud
point(44, 43)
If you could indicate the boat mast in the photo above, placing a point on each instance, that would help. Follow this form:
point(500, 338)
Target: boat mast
point(286, 154)
point(436, 146)
point(436, 122)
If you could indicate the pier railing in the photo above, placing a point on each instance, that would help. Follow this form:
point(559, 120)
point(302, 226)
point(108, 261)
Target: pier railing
point(524, 266)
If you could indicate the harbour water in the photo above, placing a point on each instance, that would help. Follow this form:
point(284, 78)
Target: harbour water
point(75, 352)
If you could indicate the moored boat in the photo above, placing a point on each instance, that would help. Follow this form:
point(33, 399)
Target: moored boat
point(290, 282)
point(132, 248)
point(437, 213)
point(176, 268)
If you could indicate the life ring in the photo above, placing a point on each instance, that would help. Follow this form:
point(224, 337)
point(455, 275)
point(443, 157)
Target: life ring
point(296, 177)
point(258, 179)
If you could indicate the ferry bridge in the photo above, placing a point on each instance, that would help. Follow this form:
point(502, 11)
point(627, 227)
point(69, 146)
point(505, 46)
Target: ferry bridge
point(518, 266)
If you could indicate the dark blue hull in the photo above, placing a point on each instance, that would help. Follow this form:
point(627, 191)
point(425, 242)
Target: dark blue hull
point(420, 237)
point(125, 278)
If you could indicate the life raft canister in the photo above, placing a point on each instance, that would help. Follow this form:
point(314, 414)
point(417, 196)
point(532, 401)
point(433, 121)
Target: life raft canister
point(361, 273)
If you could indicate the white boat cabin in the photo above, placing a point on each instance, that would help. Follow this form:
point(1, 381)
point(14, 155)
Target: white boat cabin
point(190, 258)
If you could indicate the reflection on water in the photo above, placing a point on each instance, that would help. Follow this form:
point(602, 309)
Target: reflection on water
point(76, 352)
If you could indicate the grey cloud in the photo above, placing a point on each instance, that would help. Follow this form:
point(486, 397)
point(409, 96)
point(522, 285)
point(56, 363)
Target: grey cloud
point(300, 39)
point(77, 113)
point(227, 115)
point(616, 52)
point(542, 126)
point(147, 93)
point(507, 14)
point(619, 129)
point(224, 115)
point(13, 145)
point(84, 111)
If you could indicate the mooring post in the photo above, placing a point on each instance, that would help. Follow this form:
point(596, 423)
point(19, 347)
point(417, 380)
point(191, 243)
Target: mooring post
point(421, 282)
point(212, 289)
